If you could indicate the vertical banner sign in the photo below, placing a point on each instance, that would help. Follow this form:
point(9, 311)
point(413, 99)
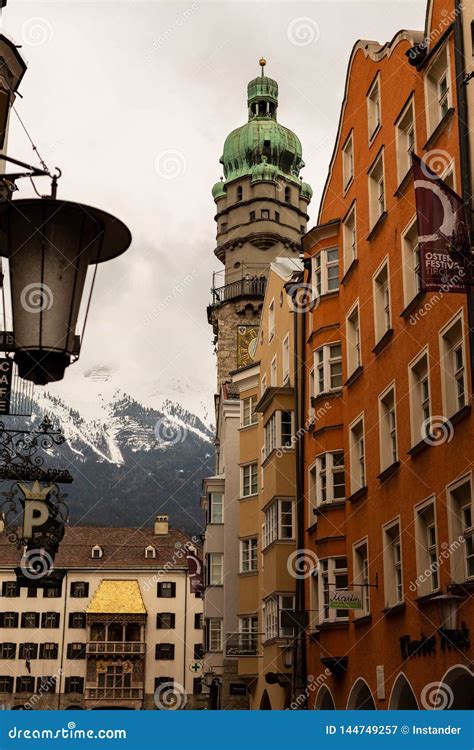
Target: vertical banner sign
point(6, 373)
point(443, 236)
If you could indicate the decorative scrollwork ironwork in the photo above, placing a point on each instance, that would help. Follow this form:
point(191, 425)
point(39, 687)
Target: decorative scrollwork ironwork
point(12, 509)
point(20, 452)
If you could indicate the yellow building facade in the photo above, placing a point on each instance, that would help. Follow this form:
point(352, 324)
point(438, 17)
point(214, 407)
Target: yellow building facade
point(267, 513)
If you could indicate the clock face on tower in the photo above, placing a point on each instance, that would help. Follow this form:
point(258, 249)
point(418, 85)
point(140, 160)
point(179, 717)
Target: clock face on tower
point(246, 344)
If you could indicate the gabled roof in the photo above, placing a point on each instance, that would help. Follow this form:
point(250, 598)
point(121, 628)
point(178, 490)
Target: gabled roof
point(123, 548)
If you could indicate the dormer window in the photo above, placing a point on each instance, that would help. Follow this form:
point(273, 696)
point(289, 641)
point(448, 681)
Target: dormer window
point(96, 552)
point(150, 552)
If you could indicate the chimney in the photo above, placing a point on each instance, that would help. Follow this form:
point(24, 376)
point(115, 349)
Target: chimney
point(161, 525)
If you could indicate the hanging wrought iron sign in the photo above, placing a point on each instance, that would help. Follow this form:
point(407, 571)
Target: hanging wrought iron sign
point(20, 459)
point(34, 514)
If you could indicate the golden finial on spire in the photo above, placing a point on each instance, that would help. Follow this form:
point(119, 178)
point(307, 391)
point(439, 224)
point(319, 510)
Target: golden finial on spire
point(262, 62)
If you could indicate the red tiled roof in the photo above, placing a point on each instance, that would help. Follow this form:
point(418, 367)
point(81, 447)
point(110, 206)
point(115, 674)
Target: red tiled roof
point(122, 548)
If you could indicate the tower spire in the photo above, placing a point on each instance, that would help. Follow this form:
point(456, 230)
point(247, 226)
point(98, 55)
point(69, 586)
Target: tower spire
point(262, 62)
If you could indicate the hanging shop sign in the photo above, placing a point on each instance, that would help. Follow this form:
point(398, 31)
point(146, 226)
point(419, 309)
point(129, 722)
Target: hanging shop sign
point(6, 375)
point(345, 599)
point(443, 235)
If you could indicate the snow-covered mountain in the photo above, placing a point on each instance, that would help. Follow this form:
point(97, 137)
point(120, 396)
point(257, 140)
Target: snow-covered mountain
point(129, 460)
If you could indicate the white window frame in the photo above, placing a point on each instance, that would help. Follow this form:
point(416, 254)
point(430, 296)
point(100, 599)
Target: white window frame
point(215, 563)
point(388, 431)
point(274, 372)
point(453, 378)
point(252, 418)
point(212, 504)
point(377, 189)
point(325, 471)
point(271, 319)
point(427, 554)
point(382, 300)
point(349, 237)
point(410, 261)
point(353, 339)
point(461, 536)
point(405, 137)
point(274, 527)
point(322, 263)
point(253, 469)
point(438, 68)
point(325, 367)
point(393, 563)
point(362, 575)
point(420, 398)
point(357, 454)
point(249, 555)
point(271, 610)
point(285, 358)
point(374, 108)
point(325, 577)
point(348, 161)
point(214, 630)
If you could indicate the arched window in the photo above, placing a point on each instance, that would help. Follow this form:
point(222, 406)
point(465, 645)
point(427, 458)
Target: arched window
point(360, 697)
point(239, 193)
point(287, 195)
point(402, 696)
point(96, 552)
point(150, 552)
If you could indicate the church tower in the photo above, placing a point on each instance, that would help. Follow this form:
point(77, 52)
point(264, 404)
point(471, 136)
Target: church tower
point(261, 214)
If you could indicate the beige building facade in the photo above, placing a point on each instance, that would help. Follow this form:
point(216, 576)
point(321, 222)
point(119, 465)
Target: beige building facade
point(121, 627)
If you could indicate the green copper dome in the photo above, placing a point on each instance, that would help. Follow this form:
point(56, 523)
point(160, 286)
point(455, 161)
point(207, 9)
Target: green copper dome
point(262, 148)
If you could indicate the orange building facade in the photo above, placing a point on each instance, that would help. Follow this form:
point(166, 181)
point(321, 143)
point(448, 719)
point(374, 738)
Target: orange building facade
point(388, 444)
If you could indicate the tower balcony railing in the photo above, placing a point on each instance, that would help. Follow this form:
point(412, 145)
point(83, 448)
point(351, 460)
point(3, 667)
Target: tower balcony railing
point(249, 285)
point(119, 648)
point(250, 280)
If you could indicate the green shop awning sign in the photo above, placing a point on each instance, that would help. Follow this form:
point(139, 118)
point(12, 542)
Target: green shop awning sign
point(345, 599)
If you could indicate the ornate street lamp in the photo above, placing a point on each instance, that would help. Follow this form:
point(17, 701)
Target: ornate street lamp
point(50, 244)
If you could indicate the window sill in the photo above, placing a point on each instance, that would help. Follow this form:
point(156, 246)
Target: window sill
point(395, 609)
point(415, 450)
point(460, 415)
point(377, 226)
point(249, 497)
point(439, 129)
point(388, 472)
point(245, 427)
point(324, 507)
point(336, 625)
point(355, 375)
point(350, 271)
point(382, 343)
point(362, 620)
point(412, 305)
point(248, 573)
point(358, 495)
point(421, 601)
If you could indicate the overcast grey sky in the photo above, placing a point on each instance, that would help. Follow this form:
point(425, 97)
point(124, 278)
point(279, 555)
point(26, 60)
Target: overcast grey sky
point(133, 100)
